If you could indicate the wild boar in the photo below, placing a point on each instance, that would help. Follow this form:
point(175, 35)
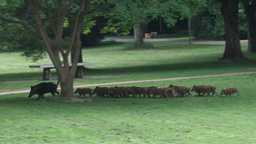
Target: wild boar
point(42, 88)
point(101, 91)
point(181, 90)
point(212, 89)
point(139, 91)
point(170, 91)
point(229, 91)
point(149, 89)
point(84, 91)
point(159, 91)
point(118, 91)
point(201, 89)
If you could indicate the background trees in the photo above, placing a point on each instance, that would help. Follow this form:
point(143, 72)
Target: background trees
point(250, 12)
point(134, 14)
point(229, 11)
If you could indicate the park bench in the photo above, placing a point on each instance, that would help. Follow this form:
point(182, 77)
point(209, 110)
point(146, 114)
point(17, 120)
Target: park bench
point(153, 34)
point(47, 69)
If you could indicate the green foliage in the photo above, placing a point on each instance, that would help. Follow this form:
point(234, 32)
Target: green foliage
point(66, 24)
point(95, 36)
point(210, 24)
point(33, 48)
point(124, 15)
point(15, 37)
point(12, 36)
point(88, 24)
point(134, 46)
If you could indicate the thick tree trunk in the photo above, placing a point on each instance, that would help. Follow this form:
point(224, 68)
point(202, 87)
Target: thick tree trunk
point(138, 34)
point(229, 10)
point(250, 11)
point(66, 85)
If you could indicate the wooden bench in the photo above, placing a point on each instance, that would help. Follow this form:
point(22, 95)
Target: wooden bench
point(153, 34)
point(47, 69)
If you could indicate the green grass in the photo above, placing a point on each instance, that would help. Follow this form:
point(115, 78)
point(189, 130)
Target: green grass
point(164, 61)
point(135, 120)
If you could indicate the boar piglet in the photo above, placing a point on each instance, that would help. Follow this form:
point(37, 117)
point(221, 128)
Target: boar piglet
point(212, 89)
point(139, 91)
point(181, 90)
point(229, 91)
point(158, 91)
point(201, 89)
point(118, 92)
point(84, 91)
point(149, 89)
point(101, 91)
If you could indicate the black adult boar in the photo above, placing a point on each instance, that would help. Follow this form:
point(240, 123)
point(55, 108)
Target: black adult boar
point(43, 88)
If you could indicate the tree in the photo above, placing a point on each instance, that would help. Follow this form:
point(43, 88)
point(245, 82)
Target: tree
point(250, 12)
point(133, 14)
point(229, 10)
point(37, 16)
point(209, 25)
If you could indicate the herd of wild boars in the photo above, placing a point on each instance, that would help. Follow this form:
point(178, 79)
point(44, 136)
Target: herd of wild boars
point(150, 92)
point(153, 91)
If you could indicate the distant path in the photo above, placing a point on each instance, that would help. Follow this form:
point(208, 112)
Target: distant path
point(139, 81)
point(209, 42)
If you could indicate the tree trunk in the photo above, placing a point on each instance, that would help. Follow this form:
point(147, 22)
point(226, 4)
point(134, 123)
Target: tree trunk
point(249, 49)
point(138, 34)
point(250, 11)
point(66, 85)
point(229, 10)
point(80, 59)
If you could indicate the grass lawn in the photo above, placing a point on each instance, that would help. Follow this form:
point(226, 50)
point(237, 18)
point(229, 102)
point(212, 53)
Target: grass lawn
point(116, 64)
point(135, 120)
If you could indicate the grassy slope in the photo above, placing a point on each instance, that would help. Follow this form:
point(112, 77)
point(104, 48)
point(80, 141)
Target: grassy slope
point(166, 60)
point(135, 120)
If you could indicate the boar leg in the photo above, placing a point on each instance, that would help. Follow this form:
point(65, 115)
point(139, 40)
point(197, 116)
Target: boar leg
point(39, 96)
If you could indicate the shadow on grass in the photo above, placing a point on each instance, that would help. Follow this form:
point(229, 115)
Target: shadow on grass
point(31, 76)
point(179, 67)
point(195, 68)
